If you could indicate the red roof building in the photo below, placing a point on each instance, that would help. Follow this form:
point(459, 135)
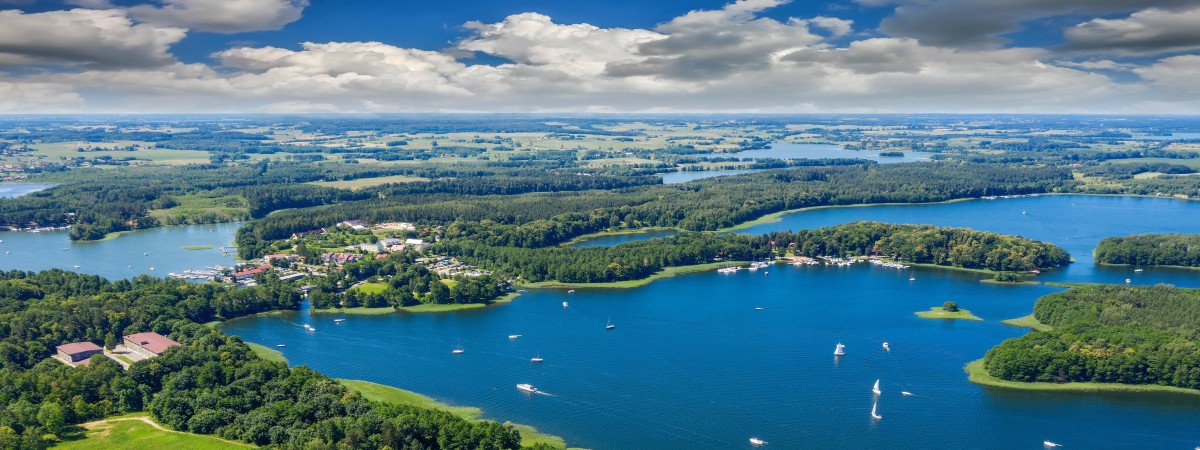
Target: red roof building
point(250, 273)
point(148, 344)
point(78, 352)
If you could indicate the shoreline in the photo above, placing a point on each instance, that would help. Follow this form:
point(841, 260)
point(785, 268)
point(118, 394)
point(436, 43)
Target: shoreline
point(584, 238)
point(938, 313)
point(1029, 322)
point(976, 374)
point(666, 272)
point(424, 308)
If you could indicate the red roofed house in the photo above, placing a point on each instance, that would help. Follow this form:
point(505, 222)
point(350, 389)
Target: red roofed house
point(77, 353)
point(250, 273)
point(148, 344)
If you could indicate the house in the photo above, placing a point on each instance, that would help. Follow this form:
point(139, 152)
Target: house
point(353, 224)
point(371, 248)
point(148, 344)
point(416, 244)
point(340, 258)
point(77, 353)
point(283, 256)
point(397, 226)
point(388, 242)
point(250, 273)
point(300, 234)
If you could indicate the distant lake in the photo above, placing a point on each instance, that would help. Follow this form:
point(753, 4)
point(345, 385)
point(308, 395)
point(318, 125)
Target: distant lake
point(112, 259)
point(693, 365)
point(616, 239)
point(10, 190)
point(819, 151)
point(692, 175)
point(1172, 137)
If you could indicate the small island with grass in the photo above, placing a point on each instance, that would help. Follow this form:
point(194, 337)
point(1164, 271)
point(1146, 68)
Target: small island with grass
point(198, 247)
point(948, 310)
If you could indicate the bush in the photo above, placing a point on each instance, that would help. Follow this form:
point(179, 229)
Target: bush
point(950, 306)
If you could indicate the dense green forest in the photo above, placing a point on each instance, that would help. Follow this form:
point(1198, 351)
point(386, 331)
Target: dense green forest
point(407, 284)
point(541, 219)
point(951, 247)
point(212, 384)
point(1108, 334)
point(1150, 250)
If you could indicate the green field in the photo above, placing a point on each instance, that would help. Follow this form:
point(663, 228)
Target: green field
point(378, 392)
point(938, 313)
point(136, 432)
point(267, 353)
point(59, 150)
point(203, 208)
point(372, 288)
point(368, 182)
point(978, 375)
point(1027, 322)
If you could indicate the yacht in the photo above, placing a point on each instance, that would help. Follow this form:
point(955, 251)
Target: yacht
point(564, 304)
point(875, 415)
point(886, 347)
point(281, 345)
point(527, 388)
point(536, 359)
point(876, 388)
point(727, 270)
point(912, 278)
point(572, 291)
point(457, 351)
point(514, 336)
point(1049, 444)
point(906, 393)
point(839, 350)
point(339, 320)
point(610, 325)
point(1137, 270)
point(757, 442)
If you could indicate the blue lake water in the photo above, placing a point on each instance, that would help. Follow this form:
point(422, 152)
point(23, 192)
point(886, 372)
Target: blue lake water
point(112, 258)
point(693, 365)
point(617, 239)
point(10, 190)
point(693, 175)
point(819, 151)
point(1172, 137)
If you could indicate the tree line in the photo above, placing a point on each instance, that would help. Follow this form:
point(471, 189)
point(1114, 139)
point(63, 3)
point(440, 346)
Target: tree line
point(1150, 250)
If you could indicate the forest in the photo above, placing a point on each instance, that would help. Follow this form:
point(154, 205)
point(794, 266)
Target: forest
point(1108, 334)
point(406, 284)
point(212, 384)
point(1150, 250)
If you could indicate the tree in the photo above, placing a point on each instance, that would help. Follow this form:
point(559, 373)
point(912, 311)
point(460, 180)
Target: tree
point(950, 306)
point(51, 416)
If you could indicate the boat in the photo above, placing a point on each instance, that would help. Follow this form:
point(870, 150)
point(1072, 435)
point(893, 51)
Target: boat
point(339, 320)
point(727, 270)
point(536, 359)
point(886, 347)
point(77, 266)
point(527, 388)
point(1049, 444)
point(564, 304)
point(514, 336)
point(757, 442)
point(309, 327)
point(151, 269)
point(758, 308)
point(1137, 270)
point(281, 345)
point(610, 325)
point(906, 393)
point(572, 291)
point(1127, 281)
point(876, 388)
point(875, 415)
point(912, 278)
point(457, 351)
point(839, 350)
point(146, 254)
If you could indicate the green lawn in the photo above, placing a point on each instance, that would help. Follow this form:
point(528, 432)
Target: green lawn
point(372, 288)
point(665, 273)
point(938, 313)
point(368, 182)
point(978, 375)
point(1028, 322)
point(378, 392)
point(267, 353)
point(132, 433)
point(206, 207)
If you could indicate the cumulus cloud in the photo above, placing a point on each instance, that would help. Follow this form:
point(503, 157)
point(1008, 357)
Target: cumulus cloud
point(980, 23)
point(1176, 75)
point(1148, 31)
point(85, 37)
point(24, 97)
point(221, 16)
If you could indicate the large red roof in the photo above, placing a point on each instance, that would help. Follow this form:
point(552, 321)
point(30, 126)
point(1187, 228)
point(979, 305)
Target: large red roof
point(154, 342)
point(79, 347)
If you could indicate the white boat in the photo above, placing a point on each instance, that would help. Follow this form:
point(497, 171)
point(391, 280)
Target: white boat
point(514, 336)
point(1137, 270)
point(564, 304)
point(572, 291)
point(309, 327)
point(876, 388)
point(151, 269)
point(536, 359)
point(839, 350)
point(875, 415)
point(610, 325)
point(758, 308)
point(727, 270)
point(281, 345)
point(146, 254)
point(1127, 281)
point(912, 278)
point(757, 442)
point(527, 388)
point(457, 351)
point(77, 266)
point(905, 393)
point(339, 320)
point(1049, 444)
point(886, 347)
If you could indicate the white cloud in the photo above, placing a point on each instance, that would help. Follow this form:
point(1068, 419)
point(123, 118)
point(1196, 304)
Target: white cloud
point(95, 38)
point(24, 97)
point(835, 26)
point(1176, 76)
point(1148, 31)
point(1103, 64)
point(222, 16)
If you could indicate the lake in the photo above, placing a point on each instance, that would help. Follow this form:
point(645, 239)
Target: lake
point(693, 365)
point(685, 176)
point(112, 258)
point(10, 190)
point(819, 151)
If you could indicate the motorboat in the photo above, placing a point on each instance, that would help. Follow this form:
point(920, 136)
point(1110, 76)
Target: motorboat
point(514, 336)
point(1049, 444)
point(339, 320)
point(281, 345)
point(526, 387)
point(757, 442)
point(906, 393)
point(536, 359)
point(565, 304)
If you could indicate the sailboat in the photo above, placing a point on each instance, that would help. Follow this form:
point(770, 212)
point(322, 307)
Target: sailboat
point(839, 350)
point(610, 325)
point(876, 388)
point(459, 350)
point(874, 414)
point(536, 359)
point(886, 347)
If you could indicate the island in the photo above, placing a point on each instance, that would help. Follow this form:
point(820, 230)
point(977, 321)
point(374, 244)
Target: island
point(948, 311)
point(1150, 250)
point(1104, 337)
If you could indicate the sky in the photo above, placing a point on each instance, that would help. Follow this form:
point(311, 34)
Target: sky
point(619, 56)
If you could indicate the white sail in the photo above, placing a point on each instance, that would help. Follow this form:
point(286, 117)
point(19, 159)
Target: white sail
point(874, 414)
point(876, 388)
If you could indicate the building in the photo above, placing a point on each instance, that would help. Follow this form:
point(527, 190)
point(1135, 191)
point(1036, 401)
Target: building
point(148, 344)
point(250, 273)
point(301, 234)
point(283, 256)
point(416, 244)
point(353, 224)
point(77, 353)
point(388, 242)
point(396, 226)
point(340, 258)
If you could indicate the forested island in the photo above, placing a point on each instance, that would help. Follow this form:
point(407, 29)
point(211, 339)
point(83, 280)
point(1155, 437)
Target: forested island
point(1150, 250)
point(1131, 335)
point(211, 384)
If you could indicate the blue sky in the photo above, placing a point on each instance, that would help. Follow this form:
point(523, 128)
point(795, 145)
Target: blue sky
point(238, 56)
